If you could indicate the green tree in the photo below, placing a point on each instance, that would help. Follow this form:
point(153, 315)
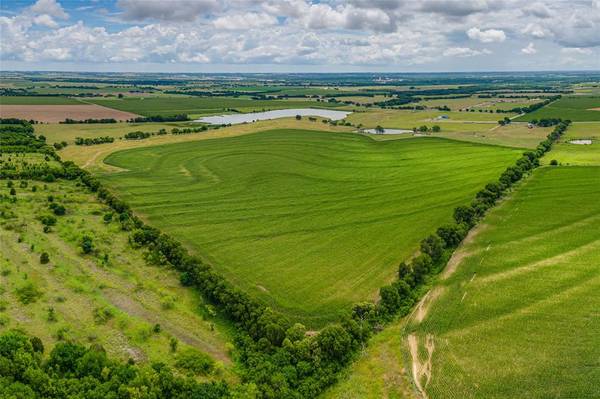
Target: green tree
point(87, 244)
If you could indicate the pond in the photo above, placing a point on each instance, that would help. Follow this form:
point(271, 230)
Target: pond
point(581, 141)
point(388, 131)
point(280, 113)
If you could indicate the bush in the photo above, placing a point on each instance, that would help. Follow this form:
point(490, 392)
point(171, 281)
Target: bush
point(44, 258)
point(554, 162)
point(87, 244)
point(194, 362)
point(28, 293)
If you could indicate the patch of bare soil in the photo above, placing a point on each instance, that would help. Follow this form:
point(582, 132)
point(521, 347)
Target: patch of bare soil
point(421, 370)
point(425, 303)
point(461, 253)
point(58, 113)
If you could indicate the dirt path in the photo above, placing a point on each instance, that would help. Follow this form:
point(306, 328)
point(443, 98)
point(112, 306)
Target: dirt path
point(425, 303)
point(461, 253)
point(421, 370)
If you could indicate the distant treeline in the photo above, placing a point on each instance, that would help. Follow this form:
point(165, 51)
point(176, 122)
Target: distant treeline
point(69, 121)
point(93, 141)
point(530, 108)
point(160, 118)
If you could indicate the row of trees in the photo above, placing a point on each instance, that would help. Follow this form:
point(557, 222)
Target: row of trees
point(93, 140)
point(69, 121)
point(160, 118)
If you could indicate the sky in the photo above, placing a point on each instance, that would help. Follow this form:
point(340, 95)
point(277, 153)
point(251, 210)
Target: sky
point(299, 35)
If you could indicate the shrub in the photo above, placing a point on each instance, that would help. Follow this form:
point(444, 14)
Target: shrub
point(554, 162)
point(194, 362)
point(87, 244)
point(44, 258)
point(28, 293)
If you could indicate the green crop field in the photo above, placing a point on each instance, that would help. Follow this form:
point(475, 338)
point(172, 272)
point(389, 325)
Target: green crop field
point(519, 317)
point(575, 108)
point(35, 100)
point(111, 296)
point(310, 222)
point(200, 105)
point(569, 153)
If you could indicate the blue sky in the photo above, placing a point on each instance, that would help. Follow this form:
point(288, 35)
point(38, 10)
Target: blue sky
point(299, 35)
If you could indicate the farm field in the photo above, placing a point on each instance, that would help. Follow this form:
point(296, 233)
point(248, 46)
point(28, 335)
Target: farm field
point(402, 119)
point(197, 106)
point(512, 135)
point(575, 108)
point(516, 310)
point(112, 296)
point(58, 113)
point(57, 132)
point(577, 154)
point(37, 100)
point(295, 217)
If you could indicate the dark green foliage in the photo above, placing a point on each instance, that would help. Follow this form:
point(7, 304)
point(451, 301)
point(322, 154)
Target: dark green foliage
point(87, 244)
point(194, 362)
point(27, 293)
point(57, 209)
point(433, 246)
point(93, 141)
point(44, 258)
point(73, 371)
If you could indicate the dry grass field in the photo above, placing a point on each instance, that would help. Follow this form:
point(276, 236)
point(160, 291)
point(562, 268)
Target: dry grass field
point(58, 113)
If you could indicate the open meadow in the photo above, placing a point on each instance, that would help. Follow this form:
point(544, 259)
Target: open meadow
point(515, 314)
point(310, 222)
point(110, 295)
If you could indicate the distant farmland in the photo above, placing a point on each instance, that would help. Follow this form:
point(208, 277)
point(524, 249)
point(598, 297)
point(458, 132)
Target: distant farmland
point(201, 105)
point(519, 316)
point(308, 221)
point(575, 108)
point(58, 113)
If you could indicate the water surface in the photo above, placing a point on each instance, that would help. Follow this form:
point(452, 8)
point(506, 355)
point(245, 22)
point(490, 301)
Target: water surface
point(280, 113)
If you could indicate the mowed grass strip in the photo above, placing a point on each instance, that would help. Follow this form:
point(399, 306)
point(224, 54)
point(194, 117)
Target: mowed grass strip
point(200, 105)
point(311, 222)
point(575, 108)
point(520, 315)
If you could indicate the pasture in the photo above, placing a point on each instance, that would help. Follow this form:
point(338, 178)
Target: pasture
point(515, 314)
point(57, 132)
point(309, 222)
point(111, 296)
point(577, 154)
point(575, 108)
point(405, 119)
point(197, 106)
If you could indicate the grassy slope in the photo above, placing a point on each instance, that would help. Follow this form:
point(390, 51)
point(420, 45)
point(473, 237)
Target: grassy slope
point(575, 108)
point(576, 154)
point(134, 292)
point(519, 317)
point(57, 132)
point(379, 371)
point(200, 105)
point(309, 221)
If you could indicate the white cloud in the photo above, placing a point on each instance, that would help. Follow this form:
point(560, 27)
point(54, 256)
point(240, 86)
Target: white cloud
point(529, 50)
point(45, 20)
point(536, 31)
point(49, 7)
point(576, 51)
point(486, 36)
point(245, 21)
point(464, 52)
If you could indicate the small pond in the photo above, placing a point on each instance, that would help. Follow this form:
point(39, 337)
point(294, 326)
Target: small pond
point(388, 131)
point(280, 113)
point(581, 141)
